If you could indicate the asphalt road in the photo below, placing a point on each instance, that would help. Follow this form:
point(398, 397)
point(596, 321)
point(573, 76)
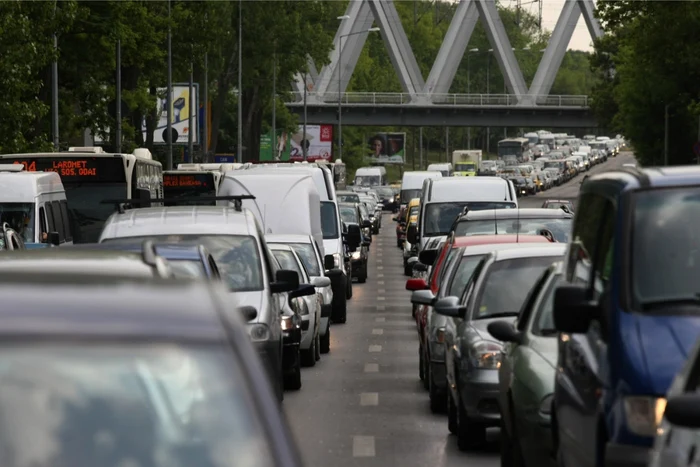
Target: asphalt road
point(363, 404)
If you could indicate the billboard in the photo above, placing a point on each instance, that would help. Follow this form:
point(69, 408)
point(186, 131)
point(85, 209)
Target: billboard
point(319, 143)
point(270, 151)
point(180, 115)
point(387, 148)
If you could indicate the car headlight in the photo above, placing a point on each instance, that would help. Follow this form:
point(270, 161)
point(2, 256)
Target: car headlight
point(299, 306)
point(258, 332)
point(644, 414)
point(290, 322)
point(356, 255)
point(546, 404)
point(486, 355)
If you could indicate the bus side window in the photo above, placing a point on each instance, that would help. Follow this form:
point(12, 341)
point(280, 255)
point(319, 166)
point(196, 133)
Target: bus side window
point(63, 204)
point(49, 218)
point(56, 209)
point(42, 223)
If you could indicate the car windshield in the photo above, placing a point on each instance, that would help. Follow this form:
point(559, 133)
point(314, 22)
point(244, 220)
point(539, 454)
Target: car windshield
point(507, 284)
point(349, 214)
point(414, 211)
point(364, 212)
point(666, 239)
point(127, 404)
point(560, 228)
point(237, 256)
point(86, 211)
point(287, 261)
point(408, 195)
point(440, 216)
point(329, 219)
point(367, 180)
point(384, 192)
point(544, 321)
point(20, 217)
point(308, 256)
point(556, 205)
point(464, 272)
point(187, 269)
point(348, 198)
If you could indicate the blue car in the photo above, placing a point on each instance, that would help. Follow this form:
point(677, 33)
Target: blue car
point(628, 312)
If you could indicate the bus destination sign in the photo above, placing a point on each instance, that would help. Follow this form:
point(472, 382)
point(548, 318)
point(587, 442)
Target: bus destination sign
point(188, 181)
point(77, 169)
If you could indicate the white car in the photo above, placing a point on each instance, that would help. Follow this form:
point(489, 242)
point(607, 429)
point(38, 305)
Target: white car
point(310, 255)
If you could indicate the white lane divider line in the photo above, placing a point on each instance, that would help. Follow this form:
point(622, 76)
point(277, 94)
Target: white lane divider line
point(380, 282)
point(371, 367)
point(375, 348)
point(377, 332)
point(369, 399)
point(380, 275)
point(381, 298)
point(379, 260)
point(380, 267)
point(380, 319)
point(363, 446)
point(381, 291)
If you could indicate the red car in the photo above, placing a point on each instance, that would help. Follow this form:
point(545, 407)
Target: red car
point(431, 367)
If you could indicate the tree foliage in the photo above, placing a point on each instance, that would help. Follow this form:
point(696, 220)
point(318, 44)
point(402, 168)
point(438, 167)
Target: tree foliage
point(647, 67)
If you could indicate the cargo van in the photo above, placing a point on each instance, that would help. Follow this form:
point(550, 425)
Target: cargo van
point(34, 205)
point(445, 169)
point(370, 176)
point(331, 241)
point(443, 199)
point(412, 184)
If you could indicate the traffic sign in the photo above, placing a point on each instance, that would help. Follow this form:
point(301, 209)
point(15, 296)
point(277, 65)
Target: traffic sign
point(696, 148)
point(224, 159)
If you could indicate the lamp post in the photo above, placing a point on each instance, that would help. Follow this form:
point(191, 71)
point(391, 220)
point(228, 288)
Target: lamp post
point(340, 100)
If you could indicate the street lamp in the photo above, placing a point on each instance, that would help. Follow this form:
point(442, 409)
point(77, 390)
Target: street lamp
point(340, 68)
point(488, 72)
point(468, 69)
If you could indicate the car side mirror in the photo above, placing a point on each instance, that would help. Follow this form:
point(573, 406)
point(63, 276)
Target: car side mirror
point(683, 410)
point(249, 313)
point(285, 281)
point(573, 311)
point(504, 332)
point(420, 267)
point(321, 282)
point(416, 284)
point(428, 257)
point(422, 297)
point(328, 262)
point(53, 238)
point(304, 290)
point(412, 234)
point(450, 306)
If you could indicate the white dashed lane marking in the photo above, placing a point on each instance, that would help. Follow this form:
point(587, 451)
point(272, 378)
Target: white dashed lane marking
point(380, 320)
point(369, 399)
point(375, 348)
point(363, 446)
point(371, 367)
point(377, 332)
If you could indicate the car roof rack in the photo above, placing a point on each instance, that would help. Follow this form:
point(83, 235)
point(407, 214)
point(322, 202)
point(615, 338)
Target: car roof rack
point(123, 204)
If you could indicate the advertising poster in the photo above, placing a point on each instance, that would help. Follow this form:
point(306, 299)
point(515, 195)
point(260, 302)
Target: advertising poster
point(387, 148)
point(180, 115)
point(270, 151)
point(319, 143)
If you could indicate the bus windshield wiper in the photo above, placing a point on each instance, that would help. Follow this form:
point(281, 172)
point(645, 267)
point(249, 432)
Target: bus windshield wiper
point(693, 300)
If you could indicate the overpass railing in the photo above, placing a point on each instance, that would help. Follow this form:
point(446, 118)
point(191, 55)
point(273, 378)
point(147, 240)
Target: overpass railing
point(461, 100)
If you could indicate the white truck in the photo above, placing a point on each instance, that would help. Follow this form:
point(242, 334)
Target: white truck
point(466, 162)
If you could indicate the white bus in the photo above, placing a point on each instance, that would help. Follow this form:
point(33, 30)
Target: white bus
point(91, 176)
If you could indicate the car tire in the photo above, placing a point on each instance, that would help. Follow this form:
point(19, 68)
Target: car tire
point(292, 381)
point(318, 347)
point(470, 435)
point(348, 286)
point(399, 243)
point(407, 270)
point(517, 459)
point(325, 341)
point(308, 356)
point(438, 402)
point(421, 365)
point(451, 413)
point(362, 278)
point(340, 311)
point(506, 448)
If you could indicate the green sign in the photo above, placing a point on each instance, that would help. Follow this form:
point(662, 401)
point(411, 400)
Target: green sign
point(268, 151)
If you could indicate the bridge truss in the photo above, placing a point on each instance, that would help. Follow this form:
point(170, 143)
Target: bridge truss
point(328, 84)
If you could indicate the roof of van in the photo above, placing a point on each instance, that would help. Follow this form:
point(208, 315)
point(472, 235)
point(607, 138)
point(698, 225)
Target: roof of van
point(550, 249)
point(25, 186)
point(179, 220)
point(288, 238)
point(322, 176)
point(442, 164)
point(480, 189)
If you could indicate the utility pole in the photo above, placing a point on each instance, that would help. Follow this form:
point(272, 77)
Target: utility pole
point(539, 16)
point(54, 88)
point(190, 119)
point(666, 135)
point(240, 81)
point(274, 105)
point(169, 98)
point(304, 149)
point(420, 163)
point(118, 106)
point(447, 144)
point(205, 120)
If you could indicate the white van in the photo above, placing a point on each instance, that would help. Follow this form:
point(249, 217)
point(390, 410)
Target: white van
point(444, 199)
point(412, 184)
point(284, 203)
point(332, 244)
point(370, 176)
point(445, 169)
point(33, 204)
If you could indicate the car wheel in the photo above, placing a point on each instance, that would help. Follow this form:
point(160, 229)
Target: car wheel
point(506, 448)
point(399, 243)
point(421, 365)
point(292, 381)
point(451, 413)
point(340, 309)
point(308, 356)
point(426, 369)
point(470, 435)
point(362, 278)
point(318, 347)
point(438, 402)
point(348, 285)
point(407, 270)
point(326, 341)
point(517, 459)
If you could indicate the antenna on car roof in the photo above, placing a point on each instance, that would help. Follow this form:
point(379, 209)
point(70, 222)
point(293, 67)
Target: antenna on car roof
point(123, 204)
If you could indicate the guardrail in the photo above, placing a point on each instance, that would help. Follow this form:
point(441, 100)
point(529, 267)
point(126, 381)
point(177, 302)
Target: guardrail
point(461, 100)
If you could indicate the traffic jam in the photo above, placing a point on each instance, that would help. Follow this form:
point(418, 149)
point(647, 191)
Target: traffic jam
point(164, 318)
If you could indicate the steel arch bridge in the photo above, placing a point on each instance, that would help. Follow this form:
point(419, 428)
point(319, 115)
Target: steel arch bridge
point(327, 86)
